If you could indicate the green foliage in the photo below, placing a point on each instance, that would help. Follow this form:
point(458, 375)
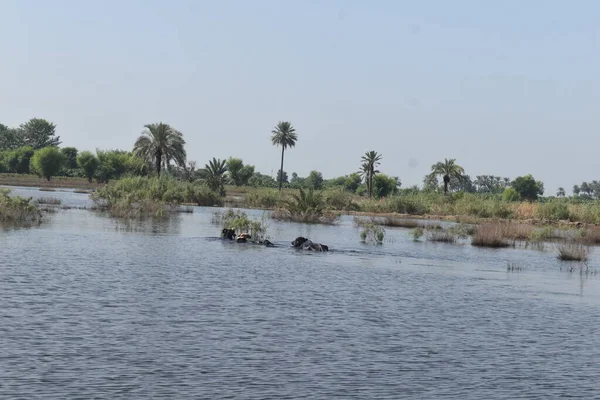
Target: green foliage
point(447, 169)
point(370, 161)
point(372, 233)
point(145, 195)
point(553, 211)
point(88, 163)
point(17, 161)
point(47, 162)
point(262, 198)
point(417, 233)
point(282, 176)
point(384, 185)
point(283, 135)
point(17, 210)
point(239, 174)
point(539, 235)
point(115, 164)
point(314, 180)
point(306, 202)
point(160, 144)
point(70, 155)
point(510, 195)
point(528, 188)
point(340, 199)
point(260, 180)
point(241, 223)
point(10, 139)
point(214, 175)
point(38, 133)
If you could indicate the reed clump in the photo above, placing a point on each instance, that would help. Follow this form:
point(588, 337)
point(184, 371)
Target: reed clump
point(443, 236)
point(572, 251)
point(490, 235)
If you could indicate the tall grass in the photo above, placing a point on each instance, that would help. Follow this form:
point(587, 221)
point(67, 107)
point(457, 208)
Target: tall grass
point(141, 196)
point(572, 251)
point(490, 235)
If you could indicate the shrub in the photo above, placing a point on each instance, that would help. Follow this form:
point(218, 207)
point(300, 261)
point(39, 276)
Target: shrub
point(542, 234)
point(241, 223)
point(262, 198)
point(17, 210)
point(139, 196)
point(372, 233)
point(340, 199)
point(47, 162)
point(510, 195)
point(553, 211)
point(417, 233)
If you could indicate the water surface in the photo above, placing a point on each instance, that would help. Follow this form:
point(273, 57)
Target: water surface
point(92, 307)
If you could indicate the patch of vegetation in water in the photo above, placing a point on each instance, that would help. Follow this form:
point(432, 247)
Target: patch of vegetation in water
point(17, 211)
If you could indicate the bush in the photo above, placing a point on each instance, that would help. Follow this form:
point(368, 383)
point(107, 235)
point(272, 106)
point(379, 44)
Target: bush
point(262, 198)
point(340, 199)
point(372, 233)
point(553, 211)
point(142, 195)
point(47, 162)
point(17, 210)
point(510, 195)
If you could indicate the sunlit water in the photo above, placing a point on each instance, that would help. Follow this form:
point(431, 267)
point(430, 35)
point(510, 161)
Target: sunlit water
point(91, 307)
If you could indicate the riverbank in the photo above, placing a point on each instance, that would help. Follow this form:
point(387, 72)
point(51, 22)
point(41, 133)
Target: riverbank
point(59, 182)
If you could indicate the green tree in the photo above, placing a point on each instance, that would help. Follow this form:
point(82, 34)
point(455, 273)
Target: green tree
point(214, 175)
point(88, 164)
point(47, 162)
point(39, 133)
point(70, 154)
point(447, 169)
point(116, 163)
point(234, 167)
point(10, 139)
point(369, 162)
point(245, 174)
point(314, 180)
point(561, 192)
point(282, 178)
point(283, 135)
point(384, 185)
point(528, 188)
point(352, 182)
point(18, 160)
point(160, 144)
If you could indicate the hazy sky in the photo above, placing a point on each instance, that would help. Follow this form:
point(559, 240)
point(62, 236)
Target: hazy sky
point(505, 87)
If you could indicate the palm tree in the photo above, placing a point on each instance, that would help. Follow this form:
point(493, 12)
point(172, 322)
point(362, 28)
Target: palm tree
point(284, 135)
point(214, 174)
point(160, 144)
point(370, 161)
point(448, 169)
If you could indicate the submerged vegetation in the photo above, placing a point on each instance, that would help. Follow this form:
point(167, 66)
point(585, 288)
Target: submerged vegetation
point(572, 251)
point(372, 233)
point(240, 222)
point(17, 211)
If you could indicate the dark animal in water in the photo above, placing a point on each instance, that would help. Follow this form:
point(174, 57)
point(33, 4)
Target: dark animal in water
point(307, 244)
point(228, 233)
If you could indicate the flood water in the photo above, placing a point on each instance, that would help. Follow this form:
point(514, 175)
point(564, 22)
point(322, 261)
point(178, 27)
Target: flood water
point(92, 307)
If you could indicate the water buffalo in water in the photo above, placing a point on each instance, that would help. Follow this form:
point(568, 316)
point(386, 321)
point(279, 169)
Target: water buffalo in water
point(228, 233)
point(307, 244)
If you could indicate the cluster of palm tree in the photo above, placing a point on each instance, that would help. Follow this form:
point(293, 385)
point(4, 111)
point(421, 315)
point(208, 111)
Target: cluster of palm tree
point(160, 145)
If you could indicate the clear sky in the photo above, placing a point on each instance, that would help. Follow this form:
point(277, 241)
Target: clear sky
point(506, 87)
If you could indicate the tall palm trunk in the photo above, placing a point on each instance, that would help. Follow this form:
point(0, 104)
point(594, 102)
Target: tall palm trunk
point(158, 161)
point(446, 182)
point(281, 169)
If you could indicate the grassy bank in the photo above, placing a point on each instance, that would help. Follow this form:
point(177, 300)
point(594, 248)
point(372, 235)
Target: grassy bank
point(56, 182)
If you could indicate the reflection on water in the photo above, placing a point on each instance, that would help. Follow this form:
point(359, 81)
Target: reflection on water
point(93, 307)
